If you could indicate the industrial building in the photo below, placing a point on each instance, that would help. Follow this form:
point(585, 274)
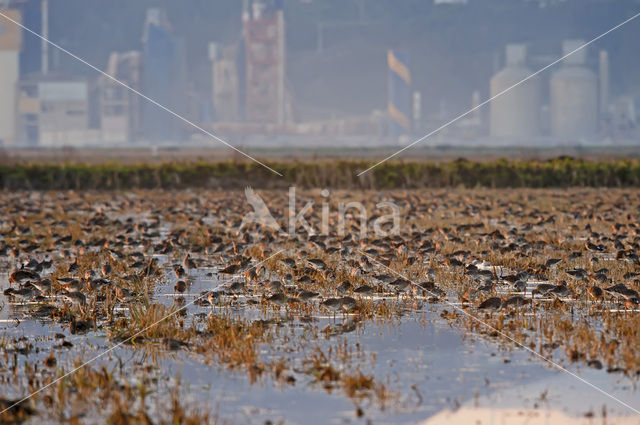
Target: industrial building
point(264, 41)
point(120, 108)
point(10, 42)
point(40, 109)
point(164, 79)
point(54, 111)
point(249, 84)
point(570, 106)
point(249, 97)
point(515, 114)
point(225, 82)
point(574, 96)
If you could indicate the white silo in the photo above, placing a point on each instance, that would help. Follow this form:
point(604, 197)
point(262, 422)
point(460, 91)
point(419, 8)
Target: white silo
point(515, 113)
point(574, 96)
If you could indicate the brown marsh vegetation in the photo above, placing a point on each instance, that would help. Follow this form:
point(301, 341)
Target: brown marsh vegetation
point(555, 270)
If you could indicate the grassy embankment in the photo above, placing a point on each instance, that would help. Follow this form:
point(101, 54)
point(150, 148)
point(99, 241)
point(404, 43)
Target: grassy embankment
point(559, 172)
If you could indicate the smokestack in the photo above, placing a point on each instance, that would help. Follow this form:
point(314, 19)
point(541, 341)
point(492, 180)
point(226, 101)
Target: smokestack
point(603, 71)
point(45, 37)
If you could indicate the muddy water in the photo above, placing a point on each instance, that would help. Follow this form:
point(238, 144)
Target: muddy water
point(432, 368)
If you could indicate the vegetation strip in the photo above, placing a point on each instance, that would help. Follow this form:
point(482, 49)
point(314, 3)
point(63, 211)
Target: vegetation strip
point(502, 173)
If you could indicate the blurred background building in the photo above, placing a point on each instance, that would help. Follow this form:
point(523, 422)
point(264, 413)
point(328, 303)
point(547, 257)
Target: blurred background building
point(264, 43)
point(226, 82)
point(10, 43)
point(120, 108)
point(574, 96)
point(254, 83)
point(163, 79)
point(515, 114)
point(53, 111)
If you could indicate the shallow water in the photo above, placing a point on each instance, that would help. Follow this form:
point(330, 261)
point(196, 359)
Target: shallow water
point(433, 366)
point(432, 369)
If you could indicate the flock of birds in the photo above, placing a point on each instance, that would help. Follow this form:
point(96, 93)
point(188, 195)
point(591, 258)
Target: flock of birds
point(335, 269)
point(69, 255)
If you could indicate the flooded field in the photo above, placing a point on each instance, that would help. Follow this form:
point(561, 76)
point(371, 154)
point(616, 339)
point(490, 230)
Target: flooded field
point(468, 306)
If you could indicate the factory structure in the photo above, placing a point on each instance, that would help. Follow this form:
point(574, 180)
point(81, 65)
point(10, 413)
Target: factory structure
point(264, 43)
point(10, 42)
point(516, 113)
point(249, 77)
point(570, 105)
point(249, 95)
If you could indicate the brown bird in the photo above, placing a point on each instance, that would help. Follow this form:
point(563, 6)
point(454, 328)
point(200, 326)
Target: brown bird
point(275, 286)
point(24, 294)
point(348, 303)
point(631, 303)
point(76, 298)
point(213, 297)
point(180, 286)
point(43, 285)
point(230, 269)
point(73, 267)
point(305, 295)
point(552, 262)
point(15, 411)
point(20, 275)
point(493, 303)
point(71, 285)
point(178, 270)
point(595, 292)
point(251, 274)
point(124, 294)
point(515, 301)
point(188, 263)
point(79, 326)
point(278, 298)
point(344, 287)
point(106, 269)
point(363, 290)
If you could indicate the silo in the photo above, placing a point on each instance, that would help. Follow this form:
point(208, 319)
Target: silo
point(574, 96)
point(515, 113)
